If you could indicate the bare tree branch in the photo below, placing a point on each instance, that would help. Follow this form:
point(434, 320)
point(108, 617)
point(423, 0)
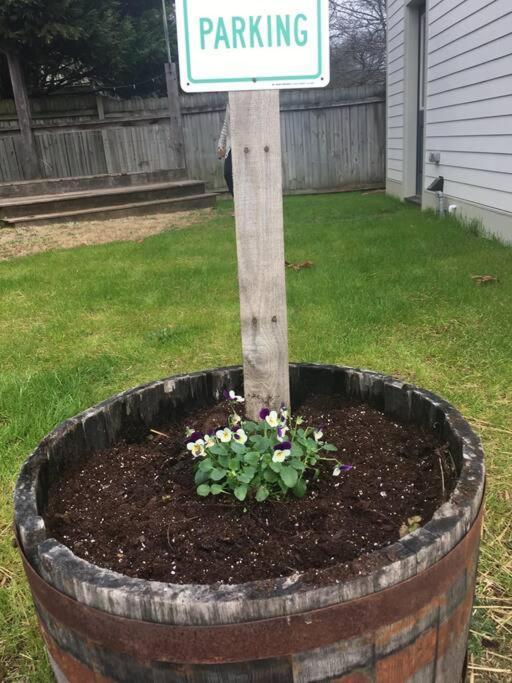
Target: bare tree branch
point(358, 30)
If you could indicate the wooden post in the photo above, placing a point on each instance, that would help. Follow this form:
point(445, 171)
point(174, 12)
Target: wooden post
point(100, 106)
point(173, 97)
point(29, 159)
point(256, 150)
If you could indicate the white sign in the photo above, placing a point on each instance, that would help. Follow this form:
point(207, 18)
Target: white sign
point(253, 44)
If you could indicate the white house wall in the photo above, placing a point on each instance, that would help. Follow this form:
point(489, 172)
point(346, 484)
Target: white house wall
point(469, 106)
point(395, 103)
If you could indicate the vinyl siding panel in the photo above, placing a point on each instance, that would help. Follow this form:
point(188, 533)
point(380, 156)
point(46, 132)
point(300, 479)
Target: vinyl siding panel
point(497, 125)
point(451, 12)
point(469, 100)
point(395, 98)
point(472, 144)
point(474, 194)
point(482, 73)
point(474, 31)
point(469, 103)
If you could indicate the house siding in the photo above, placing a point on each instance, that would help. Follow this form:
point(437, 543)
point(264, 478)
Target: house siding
point(395, 83)
point(469, 106)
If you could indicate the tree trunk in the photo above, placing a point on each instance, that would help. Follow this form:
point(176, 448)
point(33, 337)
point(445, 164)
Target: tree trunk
point(29, 155)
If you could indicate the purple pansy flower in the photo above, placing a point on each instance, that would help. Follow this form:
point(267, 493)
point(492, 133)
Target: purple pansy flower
point(195, 436)
point(264, 412)
point(341, 468)
point(285, 446)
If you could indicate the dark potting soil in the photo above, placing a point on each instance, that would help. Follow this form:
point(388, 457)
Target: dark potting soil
point(134, 509)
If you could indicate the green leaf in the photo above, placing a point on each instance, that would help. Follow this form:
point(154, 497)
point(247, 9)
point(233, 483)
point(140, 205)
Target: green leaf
point(201, 477)
point(299, 490)
point(246, 477)
point(241, 492)
point(249, 427)
point(238, 448)
point(270, 477)
point(234, 463)
point(216, 489)
point(217, 450)
point(329, 447)
point(205, 465)
point(297, 451)
point(217, 474)
point(289, 476)
point(252, 458)
point(203, 490)
point(276, 466)
point(262, 494)
point(224, 461)
point(298, 465)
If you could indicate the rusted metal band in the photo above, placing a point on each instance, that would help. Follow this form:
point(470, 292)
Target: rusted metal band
point(261, 639)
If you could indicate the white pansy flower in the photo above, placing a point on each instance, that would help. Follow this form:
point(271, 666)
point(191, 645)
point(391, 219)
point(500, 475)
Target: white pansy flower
point(196, 448)
point(318, 434)
point(235, 397)
point(240, 436)
point(273, 419)
point(236, 419)
point(336, 471)
point(224, 435)
point(209, 441)
point(280, 456)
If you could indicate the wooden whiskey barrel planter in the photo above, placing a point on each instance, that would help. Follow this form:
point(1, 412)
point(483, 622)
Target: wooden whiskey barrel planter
point(407, 621)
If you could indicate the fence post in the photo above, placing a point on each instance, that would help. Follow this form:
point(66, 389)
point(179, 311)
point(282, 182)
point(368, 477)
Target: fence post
point(173, 97)
point(29, 154)
point(256, 142)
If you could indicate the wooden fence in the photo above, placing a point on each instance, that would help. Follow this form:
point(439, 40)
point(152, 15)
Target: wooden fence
point(332, 139)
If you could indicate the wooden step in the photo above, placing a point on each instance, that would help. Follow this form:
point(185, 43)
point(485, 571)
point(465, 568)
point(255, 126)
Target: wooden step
point(92, 199)
point(187, 203)
point(27, 188)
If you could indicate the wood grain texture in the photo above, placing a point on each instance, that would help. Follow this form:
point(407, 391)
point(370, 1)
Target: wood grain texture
point(407, 621)
point(320, 137)
point(29, 156)
point(173, 96)
point(256, 149)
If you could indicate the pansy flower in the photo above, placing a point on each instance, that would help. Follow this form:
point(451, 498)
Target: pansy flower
point(231, 396)
point(264, 413)
point(235, 419)
point(318, 434)
point(272, 419)
point(196, 448)
point(282, 451)
point(341, 468)
point(209, 441)
point(192, 437)
point(224, 435)
point(281, 432)
point(240, 436)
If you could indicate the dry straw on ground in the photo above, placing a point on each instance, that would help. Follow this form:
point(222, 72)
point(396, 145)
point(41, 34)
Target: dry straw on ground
point(26, 240)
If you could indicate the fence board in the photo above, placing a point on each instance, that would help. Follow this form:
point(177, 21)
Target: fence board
point(332, 138)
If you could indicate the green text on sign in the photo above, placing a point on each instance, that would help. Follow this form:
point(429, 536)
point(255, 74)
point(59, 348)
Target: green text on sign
point(253, 32)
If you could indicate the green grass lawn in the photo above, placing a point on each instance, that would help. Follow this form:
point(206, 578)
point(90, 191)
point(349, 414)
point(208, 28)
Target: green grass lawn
point(390, 290)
